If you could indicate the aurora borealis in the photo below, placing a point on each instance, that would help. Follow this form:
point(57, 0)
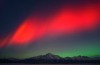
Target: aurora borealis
point(63, 27)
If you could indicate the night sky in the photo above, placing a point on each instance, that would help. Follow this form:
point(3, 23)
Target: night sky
point(63, 27)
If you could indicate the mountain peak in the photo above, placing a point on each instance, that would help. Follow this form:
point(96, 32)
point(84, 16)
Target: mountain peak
point(49, 56)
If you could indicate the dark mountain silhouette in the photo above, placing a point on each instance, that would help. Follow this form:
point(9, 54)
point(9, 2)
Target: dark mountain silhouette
point(53, 59)
point(48, 56)
point(81, 58)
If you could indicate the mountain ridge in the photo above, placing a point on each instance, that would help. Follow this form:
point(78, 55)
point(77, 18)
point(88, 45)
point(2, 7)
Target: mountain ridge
point(51, 58)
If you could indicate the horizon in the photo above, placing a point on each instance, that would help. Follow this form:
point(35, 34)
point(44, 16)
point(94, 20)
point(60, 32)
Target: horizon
point(97, 56)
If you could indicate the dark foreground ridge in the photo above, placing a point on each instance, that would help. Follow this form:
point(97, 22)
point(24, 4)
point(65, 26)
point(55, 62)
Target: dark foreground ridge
point(53, 59)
